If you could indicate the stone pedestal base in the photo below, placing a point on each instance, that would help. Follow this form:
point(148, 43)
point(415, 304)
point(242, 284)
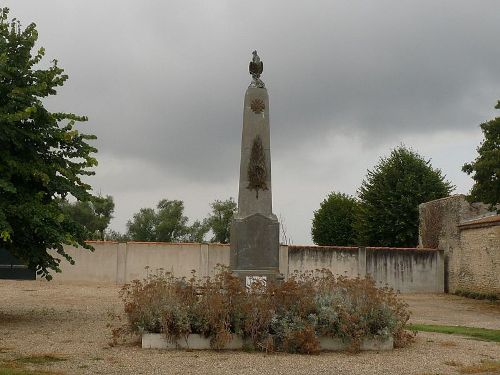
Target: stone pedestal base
point(255, 246)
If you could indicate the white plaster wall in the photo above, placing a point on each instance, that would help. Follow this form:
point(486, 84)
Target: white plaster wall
point(99, 265)
point(339, 260)
point(217, 254)
point(406, 270)
point(178, 259)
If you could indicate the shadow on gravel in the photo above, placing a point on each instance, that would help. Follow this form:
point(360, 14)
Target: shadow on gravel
point(41, 316)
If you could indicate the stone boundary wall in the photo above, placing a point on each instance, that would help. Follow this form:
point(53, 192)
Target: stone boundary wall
point(478, 256)
point(406, 270)
point(469, 235)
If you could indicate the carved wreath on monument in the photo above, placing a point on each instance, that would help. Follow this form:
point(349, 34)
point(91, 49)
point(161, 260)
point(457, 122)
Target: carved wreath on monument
point(257, 106)
point(257, 173)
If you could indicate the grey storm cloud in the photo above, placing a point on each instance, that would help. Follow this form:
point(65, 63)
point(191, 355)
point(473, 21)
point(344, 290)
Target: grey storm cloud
point(164, 78)
point(163, 82)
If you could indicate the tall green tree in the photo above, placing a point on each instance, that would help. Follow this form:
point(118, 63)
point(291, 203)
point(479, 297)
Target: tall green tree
point(94, 214)
point(219, 219)
point(166, 224)
point(171, 223)
point(485, 169)
point(390, 195)
point(334, 221)
point(142, 227)
point(196, 232)
point(43, 157)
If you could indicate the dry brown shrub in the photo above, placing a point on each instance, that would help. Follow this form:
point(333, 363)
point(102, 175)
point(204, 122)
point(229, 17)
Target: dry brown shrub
point(287, 316)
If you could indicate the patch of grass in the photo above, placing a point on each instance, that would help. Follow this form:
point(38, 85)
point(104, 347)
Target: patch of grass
point(478, 333)
point(6, 369)
point(17, 366)
point(485, 367)
point(477, 295)
point(40, 359)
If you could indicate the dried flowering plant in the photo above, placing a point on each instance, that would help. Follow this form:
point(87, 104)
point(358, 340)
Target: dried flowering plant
point(288, 316)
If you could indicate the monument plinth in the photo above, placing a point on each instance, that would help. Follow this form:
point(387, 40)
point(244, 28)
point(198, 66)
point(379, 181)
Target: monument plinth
point(255, 229)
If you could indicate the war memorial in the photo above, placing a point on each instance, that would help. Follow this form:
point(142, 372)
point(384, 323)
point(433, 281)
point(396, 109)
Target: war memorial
point(255, 229)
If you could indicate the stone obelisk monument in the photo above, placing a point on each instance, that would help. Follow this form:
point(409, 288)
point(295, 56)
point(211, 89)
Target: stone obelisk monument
point(255, 229)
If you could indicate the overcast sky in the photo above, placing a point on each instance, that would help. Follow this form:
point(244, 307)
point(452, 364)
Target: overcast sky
point(163, 83)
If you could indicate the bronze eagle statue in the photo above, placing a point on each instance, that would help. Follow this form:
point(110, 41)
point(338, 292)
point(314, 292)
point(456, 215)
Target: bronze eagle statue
point(255, 68)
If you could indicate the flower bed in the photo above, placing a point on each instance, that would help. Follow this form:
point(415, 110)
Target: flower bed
point(296, 316)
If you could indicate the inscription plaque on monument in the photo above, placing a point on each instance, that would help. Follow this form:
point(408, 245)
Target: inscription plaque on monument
point(255, 229)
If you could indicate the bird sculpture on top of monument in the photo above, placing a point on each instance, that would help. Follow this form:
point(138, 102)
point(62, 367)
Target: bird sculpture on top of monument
point(256, 67)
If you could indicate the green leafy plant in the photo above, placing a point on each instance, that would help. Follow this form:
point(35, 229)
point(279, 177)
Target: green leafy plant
point(165, 224)
point(334, 221)
point(43, 156)
point(485, 170)
point(219, 220)
point(390, 195)
point(94, 215)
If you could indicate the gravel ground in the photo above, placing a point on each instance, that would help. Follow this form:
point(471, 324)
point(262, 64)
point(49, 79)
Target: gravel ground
point(447, 309)
point(70, 321)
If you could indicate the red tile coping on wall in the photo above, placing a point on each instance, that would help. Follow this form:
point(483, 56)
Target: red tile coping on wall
point(487, 221)
point(400, 248)
point(157, 243)
point(308, 247)
point(354, 248)
point(165, 243)
point(98, 241)
point(178, 243)
point(316, 247)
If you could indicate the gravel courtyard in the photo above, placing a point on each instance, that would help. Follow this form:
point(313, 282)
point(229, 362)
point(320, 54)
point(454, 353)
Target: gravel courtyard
point(69, 322)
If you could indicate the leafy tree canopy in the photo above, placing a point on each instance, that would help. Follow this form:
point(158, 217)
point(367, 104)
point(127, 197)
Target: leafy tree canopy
point(166, 224)
point(334, 221)
point(42, 155)
point(112, 235)
point(196, 232)
point(94, 214)
point(390, 195)
point(485, 169)
point(219, 220)
point(142, 227)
